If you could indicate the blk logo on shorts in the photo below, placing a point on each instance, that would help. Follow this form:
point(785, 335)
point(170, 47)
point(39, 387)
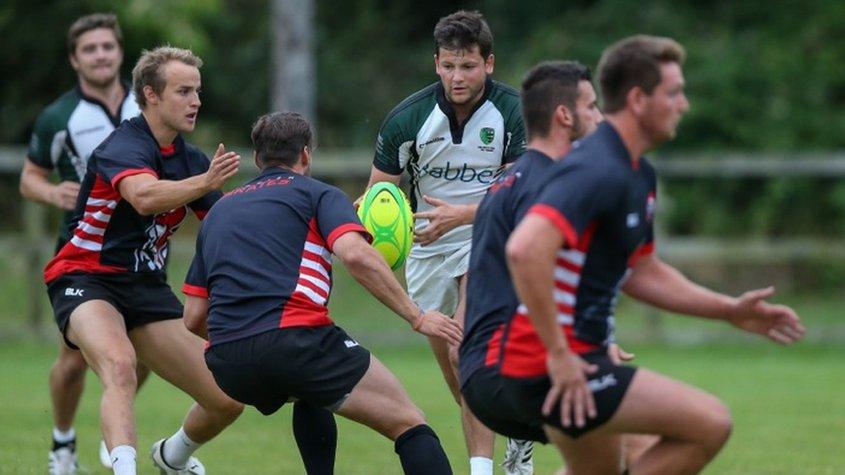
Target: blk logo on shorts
point(602, 383)
point(71, 292)
point(350, 343)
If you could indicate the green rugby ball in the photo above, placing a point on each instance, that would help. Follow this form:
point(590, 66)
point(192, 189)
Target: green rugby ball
point(386, 214)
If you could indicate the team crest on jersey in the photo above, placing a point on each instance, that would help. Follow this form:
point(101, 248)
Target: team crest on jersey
point(649, 207)
point(487, 134)
point(153, 254)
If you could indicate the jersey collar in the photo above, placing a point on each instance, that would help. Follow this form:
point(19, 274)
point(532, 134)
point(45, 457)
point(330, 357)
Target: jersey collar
point(456, 129)
point(115, 119)
point(175, 148)
point(611, 136)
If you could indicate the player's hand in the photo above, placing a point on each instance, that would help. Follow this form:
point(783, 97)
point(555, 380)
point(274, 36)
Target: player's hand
point(357, 203)
point(441, 219)
point(617, 355)
point(436, 324)
point(223, 166)
point(568, 375)
point(778, 323)
point(64, 195)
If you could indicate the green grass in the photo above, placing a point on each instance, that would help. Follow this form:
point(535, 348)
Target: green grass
point(786, 405)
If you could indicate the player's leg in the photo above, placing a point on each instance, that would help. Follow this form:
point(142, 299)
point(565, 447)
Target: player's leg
point(315, 431)
point(380, 402)
point(175, 354)
point(479, 439)
point(635, 445)
point(594, 453)
point(99, 331)
point(67, 380)
point(692, 424)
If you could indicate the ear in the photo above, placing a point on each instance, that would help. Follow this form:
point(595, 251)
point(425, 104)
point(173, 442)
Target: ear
point(305, 157)
point(255, 160)
point(563, 117)
point(636, 101)
point(150, 95)
point(436, 63)
point(489, 63)
point(73, 62)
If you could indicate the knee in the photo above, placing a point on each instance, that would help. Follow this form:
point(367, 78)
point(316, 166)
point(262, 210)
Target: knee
point(228, 409)
point(409, 418)
point(70, 367)
point(453, 356)
point(719, 426)
point(119, 371)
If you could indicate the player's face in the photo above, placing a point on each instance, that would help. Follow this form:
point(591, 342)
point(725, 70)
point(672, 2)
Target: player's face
point(587, 113)
point(666, 104)
point(179, 102)
point(463, 74)
point(97, 57)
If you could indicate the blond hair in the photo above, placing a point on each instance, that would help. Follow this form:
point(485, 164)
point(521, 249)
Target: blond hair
point(148, 71)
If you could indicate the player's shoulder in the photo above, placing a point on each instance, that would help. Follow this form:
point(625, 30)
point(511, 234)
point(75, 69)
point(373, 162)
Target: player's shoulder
point(414, 108)
point(503, 96)
point(58, 112)
point(129, 138)
point(192, 152)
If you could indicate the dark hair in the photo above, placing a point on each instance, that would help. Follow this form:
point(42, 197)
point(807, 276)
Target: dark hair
point(634, 62)
point(547, 86)
point(148, 71)
point(92, 22)
point(279, 137)
point(462, 30)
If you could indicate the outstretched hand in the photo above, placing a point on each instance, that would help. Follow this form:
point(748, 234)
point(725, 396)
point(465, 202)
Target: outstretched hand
point(223, 166)
point(568, 375)
point(778, 323)
point(442, 218)
point(436, 324)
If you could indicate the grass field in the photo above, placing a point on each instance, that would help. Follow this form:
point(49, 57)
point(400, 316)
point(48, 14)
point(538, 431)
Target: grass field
point(787, 405)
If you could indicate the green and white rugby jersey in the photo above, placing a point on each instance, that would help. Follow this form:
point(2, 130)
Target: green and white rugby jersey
point(446, 160)
point(68, 130)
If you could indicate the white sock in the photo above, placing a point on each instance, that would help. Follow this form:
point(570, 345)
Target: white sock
point(123, 460)
point(480, 466)
point(63, 437)
point(178, 448)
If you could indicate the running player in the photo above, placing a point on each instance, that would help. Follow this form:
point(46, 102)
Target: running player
point(107, 284)
point(453, 137)
point(65, 134)
point(258, 289)
point(592, 226)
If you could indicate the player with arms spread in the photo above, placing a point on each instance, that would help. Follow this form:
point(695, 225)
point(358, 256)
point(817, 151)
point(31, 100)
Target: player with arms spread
point(259, 286)
point(65, 134)
point(107, 284)
point(453, 137)
point(589, 234)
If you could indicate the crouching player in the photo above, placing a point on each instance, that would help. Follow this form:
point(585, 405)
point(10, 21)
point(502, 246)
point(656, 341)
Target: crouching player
point(258, 289)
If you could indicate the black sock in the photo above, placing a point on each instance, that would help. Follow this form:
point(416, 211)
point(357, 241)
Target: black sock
point(71, 444)
point(315, 432)
point(420, 451)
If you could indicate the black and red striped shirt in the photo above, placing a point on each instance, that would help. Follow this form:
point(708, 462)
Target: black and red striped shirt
point(108, 234)
point(263, 256)
point(602, 203)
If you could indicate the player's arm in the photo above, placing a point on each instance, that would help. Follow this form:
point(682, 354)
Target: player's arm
point(367, 267)
point(195, 315)
point(531, 252)
point(657, 283)
point(149, 195)
point(35, 185)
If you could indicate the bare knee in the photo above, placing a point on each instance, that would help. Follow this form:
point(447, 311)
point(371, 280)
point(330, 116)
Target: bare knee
point(407, 418)
point(118, 371)
point(226, 408)
point(453, 357)
point(70, 367)
point(717, 427)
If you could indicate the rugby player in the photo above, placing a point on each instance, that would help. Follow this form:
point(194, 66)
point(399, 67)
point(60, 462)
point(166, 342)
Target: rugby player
point(65, 134)
point(453, 137)
point(258, 290)
point(590, 233)
point(107, 284)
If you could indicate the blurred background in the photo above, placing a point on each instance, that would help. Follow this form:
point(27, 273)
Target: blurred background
point(751, 193)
